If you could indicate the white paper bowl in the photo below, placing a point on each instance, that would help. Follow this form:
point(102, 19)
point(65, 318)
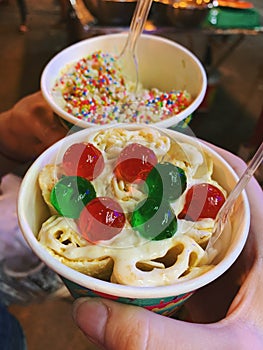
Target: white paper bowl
point(32, 212)
point(163, 64)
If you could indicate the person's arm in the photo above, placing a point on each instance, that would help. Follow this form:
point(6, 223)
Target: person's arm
point(26, 130)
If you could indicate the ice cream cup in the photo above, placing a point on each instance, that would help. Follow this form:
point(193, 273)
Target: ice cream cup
point(162, 64)
point(165, 300)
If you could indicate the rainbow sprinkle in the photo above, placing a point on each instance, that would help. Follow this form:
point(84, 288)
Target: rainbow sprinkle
point(94, 90)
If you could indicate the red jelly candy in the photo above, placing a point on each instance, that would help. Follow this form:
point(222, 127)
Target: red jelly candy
point(83, 159)
point(101, 219)
point(134, 163)
point(202, 201)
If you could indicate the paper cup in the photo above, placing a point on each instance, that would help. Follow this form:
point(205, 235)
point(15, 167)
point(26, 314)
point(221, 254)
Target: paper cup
point(32, 212)
point(162, 64)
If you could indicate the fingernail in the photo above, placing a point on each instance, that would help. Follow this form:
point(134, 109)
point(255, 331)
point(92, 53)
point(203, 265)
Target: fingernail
point(91, 316)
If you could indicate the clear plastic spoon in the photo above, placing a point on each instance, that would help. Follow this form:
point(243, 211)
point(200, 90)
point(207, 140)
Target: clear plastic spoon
point(127, 58)
point(226, 208)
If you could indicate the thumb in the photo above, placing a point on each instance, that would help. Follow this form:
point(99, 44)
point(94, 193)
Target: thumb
point(113, 325)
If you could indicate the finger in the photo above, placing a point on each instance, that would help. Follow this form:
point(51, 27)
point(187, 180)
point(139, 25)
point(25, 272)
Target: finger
point(38, 119)
point(51, 131)
point(49, 126)
point(114, 325)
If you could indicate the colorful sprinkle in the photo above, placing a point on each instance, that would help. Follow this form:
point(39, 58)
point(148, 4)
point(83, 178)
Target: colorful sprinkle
point(94, 90)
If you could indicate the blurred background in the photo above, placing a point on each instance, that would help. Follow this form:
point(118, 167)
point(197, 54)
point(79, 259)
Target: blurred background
point(230, 116)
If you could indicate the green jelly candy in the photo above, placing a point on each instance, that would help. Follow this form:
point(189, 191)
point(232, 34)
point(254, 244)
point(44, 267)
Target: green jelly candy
point(154, 220)
point(167, 181)
point(70, 195)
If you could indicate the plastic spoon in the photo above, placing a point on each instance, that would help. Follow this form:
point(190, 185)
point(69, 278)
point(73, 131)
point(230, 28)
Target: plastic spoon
point(223, 213)
point(127, 58)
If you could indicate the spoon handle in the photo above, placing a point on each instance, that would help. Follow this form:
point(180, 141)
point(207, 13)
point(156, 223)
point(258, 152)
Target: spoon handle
point(241, 184)
point(137, 23)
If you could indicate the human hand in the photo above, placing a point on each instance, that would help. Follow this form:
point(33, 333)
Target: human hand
point(28, 128)
point(226, 314)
